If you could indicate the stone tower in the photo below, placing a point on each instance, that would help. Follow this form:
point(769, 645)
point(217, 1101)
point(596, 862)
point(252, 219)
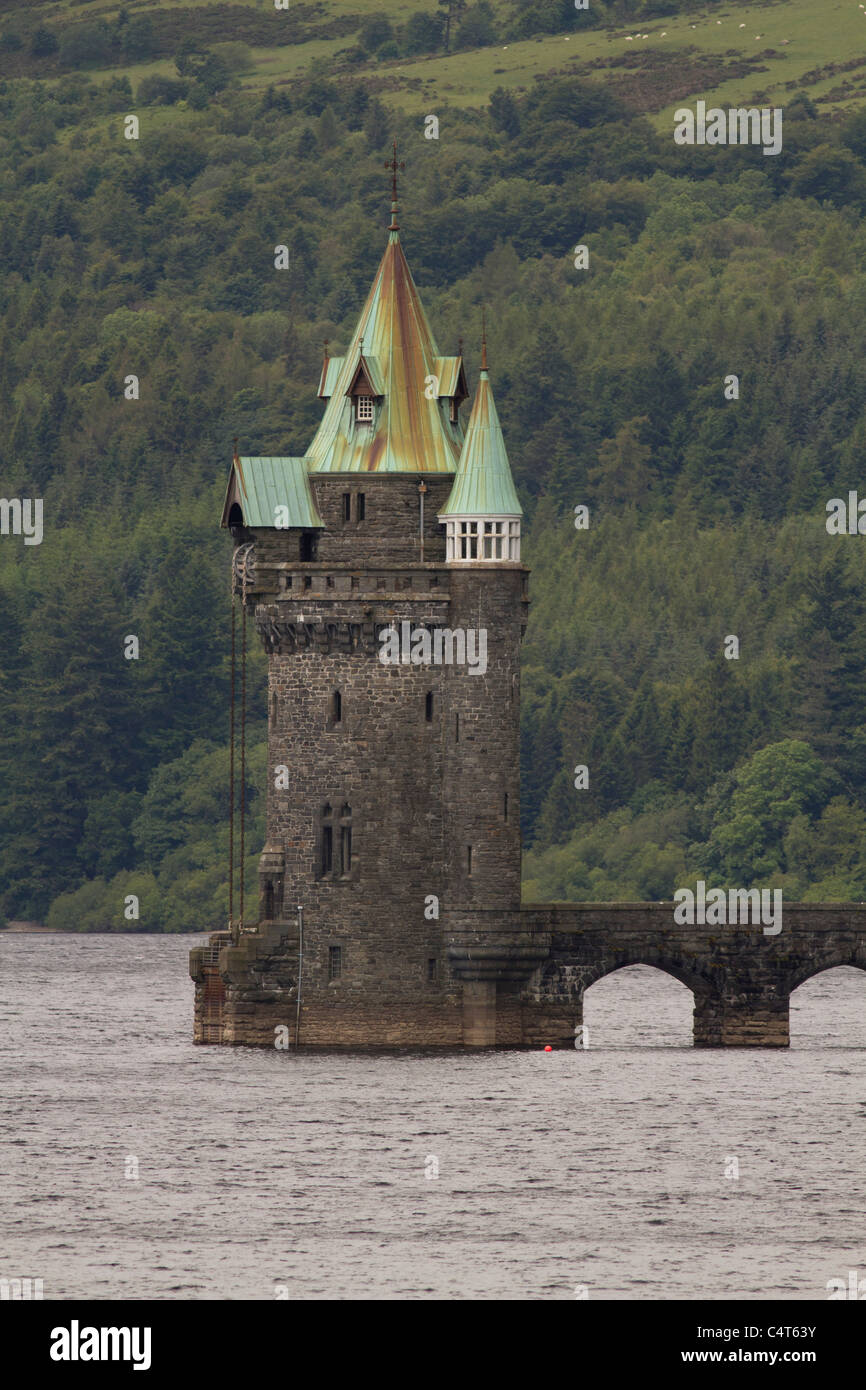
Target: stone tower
point(383, 571)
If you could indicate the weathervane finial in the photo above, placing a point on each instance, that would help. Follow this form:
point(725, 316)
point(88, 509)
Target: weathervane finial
point(484, 338)
point(394, 165)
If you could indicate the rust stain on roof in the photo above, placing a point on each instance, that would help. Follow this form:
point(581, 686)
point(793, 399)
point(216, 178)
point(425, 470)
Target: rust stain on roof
point(411, 431)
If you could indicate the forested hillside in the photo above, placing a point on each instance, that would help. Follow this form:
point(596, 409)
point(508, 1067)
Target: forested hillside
point(154, 257)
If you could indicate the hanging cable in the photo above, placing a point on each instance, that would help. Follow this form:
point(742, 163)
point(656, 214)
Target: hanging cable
point(232, 772)
point(243, 747)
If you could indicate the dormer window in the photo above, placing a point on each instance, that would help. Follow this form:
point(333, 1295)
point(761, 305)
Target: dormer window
point(364, 410)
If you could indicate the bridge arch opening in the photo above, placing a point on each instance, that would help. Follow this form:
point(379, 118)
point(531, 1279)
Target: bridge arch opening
point(828, 1009)
point(638, 1006)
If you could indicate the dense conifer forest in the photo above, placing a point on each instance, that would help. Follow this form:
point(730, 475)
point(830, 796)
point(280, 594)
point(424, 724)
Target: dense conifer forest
point(707, 515)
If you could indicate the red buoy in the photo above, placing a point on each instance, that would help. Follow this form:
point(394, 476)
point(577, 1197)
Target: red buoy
point(548, 1048)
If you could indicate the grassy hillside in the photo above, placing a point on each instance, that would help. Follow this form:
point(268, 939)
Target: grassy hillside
point(653, 55)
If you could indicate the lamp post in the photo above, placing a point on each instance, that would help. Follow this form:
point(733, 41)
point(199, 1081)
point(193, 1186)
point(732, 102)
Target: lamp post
point(300, 966)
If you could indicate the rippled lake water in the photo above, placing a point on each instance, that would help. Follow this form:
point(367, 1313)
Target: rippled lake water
point(255, 1169)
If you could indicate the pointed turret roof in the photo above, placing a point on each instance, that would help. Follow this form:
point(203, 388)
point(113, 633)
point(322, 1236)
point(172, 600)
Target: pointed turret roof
point(484, 485)
point(394, 348)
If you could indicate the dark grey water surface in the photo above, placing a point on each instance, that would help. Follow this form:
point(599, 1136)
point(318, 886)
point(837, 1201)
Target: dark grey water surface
point(602, 1168)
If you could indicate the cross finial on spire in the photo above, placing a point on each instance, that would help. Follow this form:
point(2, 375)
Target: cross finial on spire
point(483, 338)
point(394, 165)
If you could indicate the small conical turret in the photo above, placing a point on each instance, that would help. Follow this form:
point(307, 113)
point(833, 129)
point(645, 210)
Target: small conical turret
point(482, 514)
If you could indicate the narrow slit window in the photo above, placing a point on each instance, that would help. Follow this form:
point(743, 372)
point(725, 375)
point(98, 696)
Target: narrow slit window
point(457, 728)
point(505, 806)
point(428, 707)
point(346, 849)
point(347, 506)
point(327, 849)
point(336, 707)
point(431, 968)
point(362, 505)
point(335, 962)
point(469, 860)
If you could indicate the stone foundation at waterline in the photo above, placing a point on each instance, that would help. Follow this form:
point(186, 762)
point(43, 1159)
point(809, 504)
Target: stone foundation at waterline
point(518, 979)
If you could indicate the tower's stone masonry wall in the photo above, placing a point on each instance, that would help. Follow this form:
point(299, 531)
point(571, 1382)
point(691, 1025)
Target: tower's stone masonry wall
point(384, 761)
point(376, 749)
point(481, 794)
point(390, 532)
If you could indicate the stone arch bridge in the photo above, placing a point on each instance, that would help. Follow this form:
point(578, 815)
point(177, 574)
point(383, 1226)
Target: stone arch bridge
point(524, 975)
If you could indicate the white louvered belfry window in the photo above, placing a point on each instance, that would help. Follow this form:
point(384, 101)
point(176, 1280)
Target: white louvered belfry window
point(494, 533)
point(467, 540)
point(364, 409)
point(484, 539)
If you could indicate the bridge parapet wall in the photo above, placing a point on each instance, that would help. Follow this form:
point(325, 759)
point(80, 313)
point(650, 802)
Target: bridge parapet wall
point(741, 974)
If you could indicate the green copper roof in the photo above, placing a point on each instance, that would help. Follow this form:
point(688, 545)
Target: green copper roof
point(484, 485)
point(261, 486)
point(411, 430)
point(330, 374)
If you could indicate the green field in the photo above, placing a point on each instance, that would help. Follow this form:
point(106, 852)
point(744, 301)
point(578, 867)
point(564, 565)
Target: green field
point(728, 56)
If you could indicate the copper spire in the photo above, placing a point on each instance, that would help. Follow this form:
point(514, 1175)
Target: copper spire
point(393, 165)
